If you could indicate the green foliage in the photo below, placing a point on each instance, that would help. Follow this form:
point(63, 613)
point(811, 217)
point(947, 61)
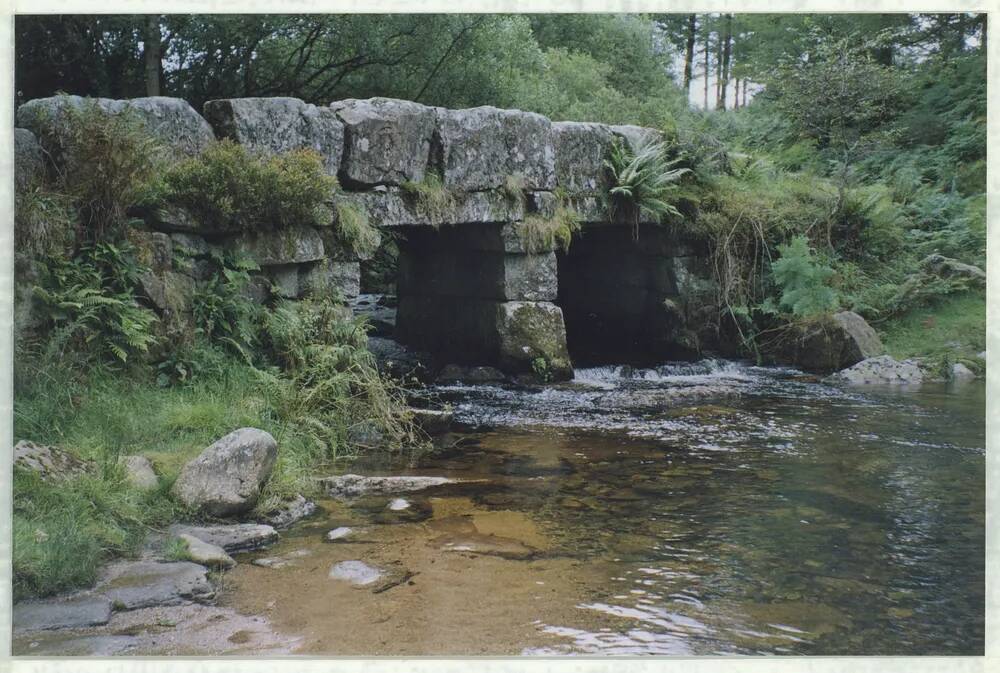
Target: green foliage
point(541, 369)
point(641, 180)
point(541, 233)
point(44, 222)
point(949, 328)
point(89, 305)
point(513, 188)
point(228, 186)
point(355, 230)
point(111, 164)
point(432, 198)
point(802, 280)
point(223, 312)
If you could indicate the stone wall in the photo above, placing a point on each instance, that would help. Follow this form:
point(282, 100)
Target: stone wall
point(467, 283)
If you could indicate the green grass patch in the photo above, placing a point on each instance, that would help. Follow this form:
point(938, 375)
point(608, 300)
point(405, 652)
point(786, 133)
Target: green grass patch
point(952, 329)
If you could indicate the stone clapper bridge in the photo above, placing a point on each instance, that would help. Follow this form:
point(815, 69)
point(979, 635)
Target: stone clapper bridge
point(469, 284)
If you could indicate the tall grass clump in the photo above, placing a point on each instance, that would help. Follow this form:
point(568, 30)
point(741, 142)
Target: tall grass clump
point(355, 230)
point(432, 198)
point(542, 233)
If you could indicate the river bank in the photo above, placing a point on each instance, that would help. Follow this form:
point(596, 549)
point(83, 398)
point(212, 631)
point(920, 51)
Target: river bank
point(680, 510)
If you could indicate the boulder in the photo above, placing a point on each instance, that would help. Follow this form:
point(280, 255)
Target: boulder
point(580, 151)
point(475, 375)
point(355, 485)
point(832, 343)
point(206, 554)
point(226, 478)
point(61, 613)
point(531, 330)
point(49, 462)
point(139, 472)
point(961, 373)
point(482, 147)
point(272, 126)
point(396, 360)
point(331, 278)
point(946, 267)
point(29, 160)
point(881, 370)
point(233, 538)
point(130, 585)
point(386, 141)
point(290, 511)
point(171, 120)
point(287, 245)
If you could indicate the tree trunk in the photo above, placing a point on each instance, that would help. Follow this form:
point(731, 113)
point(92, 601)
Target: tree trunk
point(152, 54)
point(744, 92)
point(718, 71)
point(736, 94)
point(727, 52)
point(689, 52)
point(708, 65)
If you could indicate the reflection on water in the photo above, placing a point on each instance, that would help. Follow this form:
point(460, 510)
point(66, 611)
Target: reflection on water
point(742, 509)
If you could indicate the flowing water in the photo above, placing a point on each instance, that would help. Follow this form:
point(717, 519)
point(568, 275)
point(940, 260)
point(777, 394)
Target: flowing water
point(706, 508)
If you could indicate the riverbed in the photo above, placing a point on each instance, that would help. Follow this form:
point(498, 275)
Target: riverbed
point(686, 509)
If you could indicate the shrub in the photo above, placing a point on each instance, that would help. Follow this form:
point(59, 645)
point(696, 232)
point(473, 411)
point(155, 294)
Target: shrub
point(111, 164)
point(89, 304)
point(641, 180)
point(222, 312)
point(802, 280)
point(228, 186)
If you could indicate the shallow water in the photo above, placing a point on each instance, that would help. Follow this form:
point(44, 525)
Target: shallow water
point(688, 509)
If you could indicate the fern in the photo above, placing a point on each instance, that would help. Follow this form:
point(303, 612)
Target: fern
point(641, 181)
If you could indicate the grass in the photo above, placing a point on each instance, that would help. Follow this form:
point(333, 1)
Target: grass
point(952, 329)
point(64, 531)
point(176, 549)
point(432, 198)
point(354, 228)
point(542, 233)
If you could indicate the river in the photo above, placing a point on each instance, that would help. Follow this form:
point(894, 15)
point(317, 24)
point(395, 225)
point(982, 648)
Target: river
point(687, 509)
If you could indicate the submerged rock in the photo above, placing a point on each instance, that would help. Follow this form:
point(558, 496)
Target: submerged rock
point(141, 584)
point(433, 421)
point(290, 511)
point(277, 562)
point(880, 370)
point(48, 461)
point(206, 554)
point(61, 613)
point(226, 478)
point(233, 538)
point(340, 534)
point(488, 545)
point(355, 485)
point(357, 573)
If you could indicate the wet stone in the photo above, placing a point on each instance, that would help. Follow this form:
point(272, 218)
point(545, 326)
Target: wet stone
point(61, 613)
point(355, 485)
point(233, 538)
point(340, 534)
point(143, 584)
point(206, 554)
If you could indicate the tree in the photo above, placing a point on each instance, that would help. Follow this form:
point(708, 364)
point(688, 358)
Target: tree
point(152, 54)
point(726, 54)
point(692, 33)
point(841, 98)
